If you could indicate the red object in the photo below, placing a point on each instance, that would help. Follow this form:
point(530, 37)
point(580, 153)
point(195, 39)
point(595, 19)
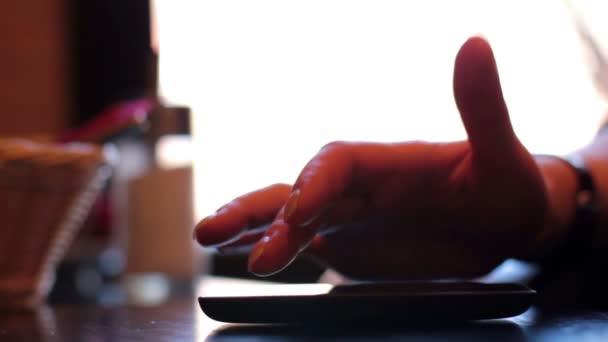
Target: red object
point(111, 121)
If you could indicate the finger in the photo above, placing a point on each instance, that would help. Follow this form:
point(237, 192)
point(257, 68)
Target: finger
point(339, 173)
point(277, 249)
point(322, 181)
point(250, 210)
point(243, 244)
point(344, 169)
point(280, 245)
point(249, 236)
point(479, 99)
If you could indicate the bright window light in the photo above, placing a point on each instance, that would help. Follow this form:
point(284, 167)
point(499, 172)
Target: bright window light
point(270, 81)
point(174, 151)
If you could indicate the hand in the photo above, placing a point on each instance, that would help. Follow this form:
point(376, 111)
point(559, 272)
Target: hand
point(409, 210)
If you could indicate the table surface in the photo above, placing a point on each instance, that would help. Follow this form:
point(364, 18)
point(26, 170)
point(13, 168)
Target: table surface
point(180, 319)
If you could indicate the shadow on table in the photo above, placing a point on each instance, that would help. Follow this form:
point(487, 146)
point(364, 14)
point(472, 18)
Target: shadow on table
point(496, 330)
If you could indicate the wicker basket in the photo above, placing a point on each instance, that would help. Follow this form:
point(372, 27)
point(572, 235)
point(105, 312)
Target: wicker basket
point(46, 192)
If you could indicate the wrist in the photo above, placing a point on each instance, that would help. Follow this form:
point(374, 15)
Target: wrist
point(595, 159)
point(561, 184)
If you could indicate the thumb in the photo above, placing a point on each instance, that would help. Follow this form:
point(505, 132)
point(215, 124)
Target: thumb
point(479, 99)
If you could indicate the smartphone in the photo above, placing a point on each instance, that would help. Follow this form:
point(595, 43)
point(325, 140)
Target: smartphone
point(379, 302)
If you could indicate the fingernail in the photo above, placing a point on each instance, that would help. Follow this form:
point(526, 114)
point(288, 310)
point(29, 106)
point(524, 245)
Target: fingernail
point(205, 220)
point(221, 209)
point(258, 250)
point(292, 204)
point(194, 234)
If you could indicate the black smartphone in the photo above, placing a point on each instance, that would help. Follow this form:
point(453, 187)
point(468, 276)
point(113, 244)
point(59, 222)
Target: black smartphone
point(379, 302)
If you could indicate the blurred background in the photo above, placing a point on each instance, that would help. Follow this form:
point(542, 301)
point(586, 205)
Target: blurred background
point(239, 94)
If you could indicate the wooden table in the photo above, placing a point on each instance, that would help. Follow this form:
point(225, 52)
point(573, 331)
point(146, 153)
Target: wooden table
point(180, 319)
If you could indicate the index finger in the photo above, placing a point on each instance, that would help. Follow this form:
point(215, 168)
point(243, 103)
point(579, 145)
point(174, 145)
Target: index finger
point(342, 168)
point(338, 172)
point(322, 181)
point(247, 211)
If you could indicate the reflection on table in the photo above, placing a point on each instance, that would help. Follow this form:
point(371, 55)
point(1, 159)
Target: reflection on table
point(180, 319)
